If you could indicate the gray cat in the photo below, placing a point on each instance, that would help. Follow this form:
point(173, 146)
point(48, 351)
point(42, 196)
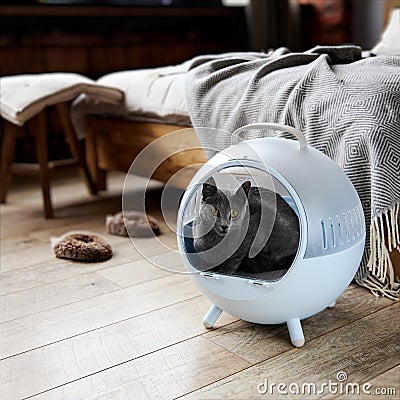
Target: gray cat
point(226, 230)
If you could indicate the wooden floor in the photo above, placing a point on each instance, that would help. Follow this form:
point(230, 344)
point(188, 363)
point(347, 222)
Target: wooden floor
point(124, 329)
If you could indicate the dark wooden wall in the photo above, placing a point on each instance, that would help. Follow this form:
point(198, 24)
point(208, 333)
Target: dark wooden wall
point(97, 40)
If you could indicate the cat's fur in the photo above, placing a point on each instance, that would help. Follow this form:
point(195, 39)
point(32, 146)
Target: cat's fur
point(234, 245)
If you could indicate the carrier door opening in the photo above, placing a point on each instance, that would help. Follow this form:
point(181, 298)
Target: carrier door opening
point(241, 221)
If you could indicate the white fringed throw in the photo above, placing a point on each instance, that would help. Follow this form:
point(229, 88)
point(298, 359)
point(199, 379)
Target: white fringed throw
point(378, 273)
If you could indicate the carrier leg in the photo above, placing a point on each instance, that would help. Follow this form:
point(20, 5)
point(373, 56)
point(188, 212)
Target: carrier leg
point(333, 304)
point(296, 332)
point(211, 317)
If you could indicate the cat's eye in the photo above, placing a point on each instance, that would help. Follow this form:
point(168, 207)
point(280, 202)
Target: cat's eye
point(234, 213)
point(214, 212)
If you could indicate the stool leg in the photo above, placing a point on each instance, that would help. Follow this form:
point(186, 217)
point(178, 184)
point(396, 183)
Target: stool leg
point(7, 157)
point(43, 160)
point(74, 145)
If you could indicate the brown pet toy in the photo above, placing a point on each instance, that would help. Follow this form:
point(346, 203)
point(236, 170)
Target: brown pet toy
point(82, 246)
point(135, 223)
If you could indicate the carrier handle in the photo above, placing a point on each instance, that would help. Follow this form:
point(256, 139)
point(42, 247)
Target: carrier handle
point(269, 125)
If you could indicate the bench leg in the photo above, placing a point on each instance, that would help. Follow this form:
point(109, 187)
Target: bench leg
point(74, 145)
point(41, 132)
point(98, 175)
point(7, 157)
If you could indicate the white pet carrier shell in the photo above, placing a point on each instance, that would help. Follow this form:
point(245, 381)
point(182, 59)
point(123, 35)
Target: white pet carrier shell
point(332, 233)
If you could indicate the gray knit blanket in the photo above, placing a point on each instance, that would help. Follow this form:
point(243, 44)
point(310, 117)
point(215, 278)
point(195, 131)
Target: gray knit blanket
point(347, 106)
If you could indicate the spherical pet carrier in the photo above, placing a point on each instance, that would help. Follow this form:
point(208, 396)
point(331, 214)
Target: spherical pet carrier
point(271, 230)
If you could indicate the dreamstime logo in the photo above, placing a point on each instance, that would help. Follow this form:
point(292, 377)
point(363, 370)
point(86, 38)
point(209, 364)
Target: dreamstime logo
point(338, 386)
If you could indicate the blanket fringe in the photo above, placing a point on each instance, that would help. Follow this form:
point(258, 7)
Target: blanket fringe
point(377, 272)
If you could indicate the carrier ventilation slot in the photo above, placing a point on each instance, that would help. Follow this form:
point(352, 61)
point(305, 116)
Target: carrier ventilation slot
point(352, 225)
point(356, 224)
point(332, 233)
point(340, 235)
point(346, 229)
point(324, 243)
point(338, 231)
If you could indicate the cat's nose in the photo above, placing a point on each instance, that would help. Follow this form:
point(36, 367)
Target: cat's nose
point(224, 228)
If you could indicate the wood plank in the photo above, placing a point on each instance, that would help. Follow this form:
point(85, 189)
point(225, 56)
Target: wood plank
point(256, 343)
point(75, 210)
point(131, 274)
point(43, 229)
point(47, 327)
point(43, 274)
point(26, 257)
point(60, 269)
point(167, 380)
point(165, 374)
point(386, 385)
point(36, 249)
point(82, 213)
point(101, 357)
point(47, 297)
point(362, 350)
point(42, 254)
point(70, 197)
point(21, 235)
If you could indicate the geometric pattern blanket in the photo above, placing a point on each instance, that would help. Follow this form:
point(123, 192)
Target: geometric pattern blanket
point(347, 106)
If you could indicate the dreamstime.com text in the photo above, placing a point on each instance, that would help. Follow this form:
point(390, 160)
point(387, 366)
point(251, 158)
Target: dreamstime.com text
point(339, 386)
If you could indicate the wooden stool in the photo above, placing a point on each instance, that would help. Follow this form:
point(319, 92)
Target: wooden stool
point(39, 126)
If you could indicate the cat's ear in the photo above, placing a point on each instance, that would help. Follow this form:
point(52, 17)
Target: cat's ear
point(209, 188)
point(245, 187)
